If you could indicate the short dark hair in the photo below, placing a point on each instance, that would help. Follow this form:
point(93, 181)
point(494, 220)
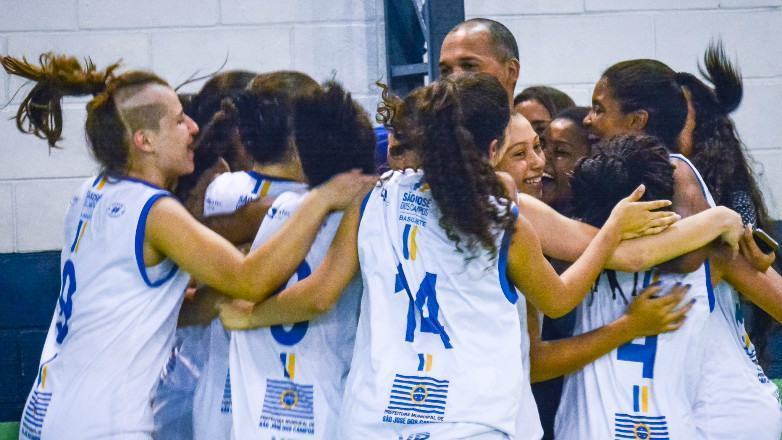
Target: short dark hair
point(333, 134)
point(500, 37)
point(552, 99)
point(265, 112)
point(620, 164)
point(574, 114)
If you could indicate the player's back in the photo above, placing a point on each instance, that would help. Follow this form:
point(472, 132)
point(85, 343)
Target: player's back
point(736, 401)
point(647, 386)
point(113, 324)
point(287, 380)
point(212, 406)
point(438, 343)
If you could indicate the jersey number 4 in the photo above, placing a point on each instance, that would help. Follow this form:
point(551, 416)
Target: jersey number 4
point(642, 353)
point(425, 299)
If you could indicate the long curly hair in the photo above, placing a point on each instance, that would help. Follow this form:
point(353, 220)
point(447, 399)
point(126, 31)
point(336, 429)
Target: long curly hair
point(57, 76)
point(618, 165)
point(451, 124)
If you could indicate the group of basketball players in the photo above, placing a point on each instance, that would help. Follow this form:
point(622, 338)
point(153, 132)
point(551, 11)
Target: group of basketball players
point(237, 270)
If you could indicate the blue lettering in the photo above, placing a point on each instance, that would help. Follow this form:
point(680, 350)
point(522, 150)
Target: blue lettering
point(425, 297)
point(643, 353)
point(65, 301)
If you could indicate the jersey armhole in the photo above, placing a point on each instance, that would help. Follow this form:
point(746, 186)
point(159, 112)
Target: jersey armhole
point(709, 286)
point(141, 228)
point(502, 261)
point(364, 206)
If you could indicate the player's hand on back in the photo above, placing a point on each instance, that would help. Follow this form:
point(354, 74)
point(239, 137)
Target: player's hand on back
point(341, 190)
point(235, 314)
point(633, 219)
point(650, 314)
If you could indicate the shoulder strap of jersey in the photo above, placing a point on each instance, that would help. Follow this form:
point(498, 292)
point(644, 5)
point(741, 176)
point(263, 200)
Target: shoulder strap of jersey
point(704, 188)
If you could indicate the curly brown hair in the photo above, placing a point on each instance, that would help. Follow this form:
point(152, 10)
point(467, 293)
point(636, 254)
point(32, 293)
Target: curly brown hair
point(451, 124)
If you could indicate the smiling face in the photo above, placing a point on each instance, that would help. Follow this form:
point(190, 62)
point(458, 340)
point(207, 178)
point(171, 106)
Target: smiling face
point(522, 156)
point(564, 144)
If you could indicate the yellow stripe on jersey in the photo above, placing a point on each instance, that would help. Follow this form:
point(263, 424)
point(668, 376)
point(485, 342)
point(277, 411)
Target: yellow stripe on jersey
point(265, 188)
point(81, 234)
point(291, 365)
point(413, 245)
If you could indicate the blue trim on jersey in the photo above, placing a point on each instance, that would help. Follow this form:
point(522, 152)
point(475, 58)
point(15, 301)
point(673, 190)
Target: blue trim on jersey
point(258, 183)
point(502, 264)
point(97, 179)
point(709, 287)
point(143, 182)
point(140, 229)
point(76, 238)
point(260, 176)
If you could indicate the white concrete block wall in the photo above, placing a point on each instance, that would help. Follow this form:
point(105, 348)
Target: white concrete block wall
point(564, 43)
point(568, 43)
point(340, 39)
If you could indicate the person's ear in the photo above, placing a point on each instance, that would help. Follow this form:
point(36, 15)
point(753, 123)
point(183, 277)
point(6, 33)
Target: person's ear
point(513, 68)
point(140, 140)
point(639, 119)
point(494, 149)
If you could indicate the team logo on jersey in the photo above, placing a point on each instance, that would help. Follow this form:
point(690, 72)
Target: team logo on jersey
point(415, 208)
point(416, 399)
point(421, 186)
point(34, 414)
point(288, 407)
point(629, 426)
point(116, 210)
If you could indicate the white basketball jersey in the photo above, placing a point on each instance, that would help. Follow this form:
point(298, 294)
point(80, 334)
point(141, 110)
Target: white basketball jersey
point(644, 389)
point(736, 401)
point(114, 322)
point(212, 402)
point(287, 380)
point(438, 349)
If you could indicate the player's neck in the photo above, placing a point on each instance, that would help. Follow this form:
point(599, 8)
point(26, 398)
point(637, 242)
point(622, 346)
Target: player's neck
point(288, 170)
